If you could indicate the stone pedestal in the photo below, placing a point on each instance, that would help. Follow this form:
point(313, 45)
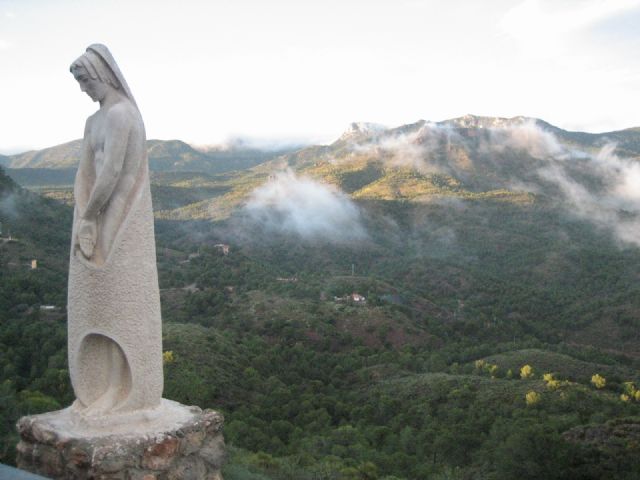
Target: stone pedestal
point(173, 442)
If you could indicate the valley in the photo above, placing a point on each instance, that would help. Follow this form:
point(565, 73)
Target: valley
point(480, 245)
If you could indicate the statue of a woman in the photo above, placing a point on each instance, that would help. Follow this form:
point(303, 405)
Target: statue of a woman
point(115, 350)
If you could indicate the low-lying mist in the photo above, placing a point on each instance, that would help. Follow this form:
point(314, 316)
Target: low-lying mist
point(306, 208)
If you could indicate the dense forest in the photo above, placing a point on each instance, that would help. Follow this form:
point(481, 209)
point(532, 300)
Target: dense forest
point(480, 336)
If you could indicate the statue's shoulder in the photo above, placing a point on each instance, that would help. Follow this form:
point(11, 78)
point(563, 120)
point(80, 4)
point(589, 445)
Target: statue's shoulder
point(124, 107)
point(123, 112)
point(89, 123)
point(91, 118)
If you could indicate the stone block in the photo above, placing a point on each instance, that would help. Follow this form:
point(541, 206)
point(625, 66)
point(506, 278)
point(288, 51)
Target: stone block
point(160, 455)
point(187, 446)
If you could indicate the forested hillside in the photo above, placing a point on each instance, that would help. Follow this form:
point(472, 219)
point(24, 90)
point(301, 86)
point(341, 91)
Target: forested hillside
point(451, 301)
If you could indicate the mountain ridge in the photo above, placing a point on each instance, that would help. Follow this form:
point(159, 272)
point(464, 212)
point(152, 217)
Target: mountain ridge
point(466, 158)
point(177, 155)
point(164, 155)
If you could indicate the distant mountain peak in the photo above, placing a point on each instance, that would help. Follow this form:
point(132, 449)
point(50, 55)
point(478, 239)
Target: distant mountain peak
point(358, 129)
point(476, 121)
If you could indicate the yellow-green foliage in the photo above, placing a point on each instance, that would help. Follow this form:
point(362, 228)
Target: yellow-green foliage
point(552, 383)
point(631, 391)
point(526, 372)
point(532, 397)
point(167, 357)
point(408, 184)
point(483, 366)
point(598, 381)
point(563, 366)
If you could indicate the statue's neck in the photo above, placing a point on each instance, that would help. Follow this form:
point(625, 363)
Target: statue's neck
point(111, 98)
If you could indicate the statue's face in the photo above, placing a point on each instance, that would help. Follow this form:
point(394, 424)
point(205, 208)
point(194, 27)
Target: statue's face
point(96, 89)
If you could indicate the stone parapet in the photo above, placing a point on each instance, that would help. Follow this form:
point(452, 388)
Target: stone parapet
point(191, 449)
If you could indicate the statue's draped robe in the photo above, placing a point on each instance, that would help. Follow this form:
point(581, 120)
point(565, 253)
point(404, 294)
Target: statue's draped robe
point(114, 302)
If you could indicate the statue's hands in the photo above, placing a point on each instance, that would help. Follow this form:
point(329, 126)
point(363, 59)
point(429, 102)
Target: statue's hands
point(87, 236)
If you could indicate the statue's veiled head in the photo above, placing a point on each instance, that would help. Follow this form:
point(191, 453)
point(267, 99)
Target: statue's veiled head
point(94, 75)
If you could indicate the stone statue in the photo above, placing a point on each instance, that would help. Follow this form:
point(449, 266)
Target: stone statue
point(115, 339)
point(119, 426)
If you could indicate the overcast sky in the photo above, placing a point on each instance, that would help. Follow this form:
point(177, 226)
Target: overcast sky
point(204, 71)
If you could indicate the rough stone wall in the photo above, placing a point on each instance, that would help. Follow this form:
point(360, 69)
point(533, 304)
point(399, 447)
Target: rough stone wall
point(195, 451)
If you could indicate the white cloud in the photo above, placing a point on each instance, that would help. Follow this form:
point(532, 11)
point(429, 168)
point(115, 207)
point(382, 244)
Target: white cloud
point(304, 207)
point(414, 149)
point(528, 136)
point(5, 45)
point(418, 149)
point(611, 199)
